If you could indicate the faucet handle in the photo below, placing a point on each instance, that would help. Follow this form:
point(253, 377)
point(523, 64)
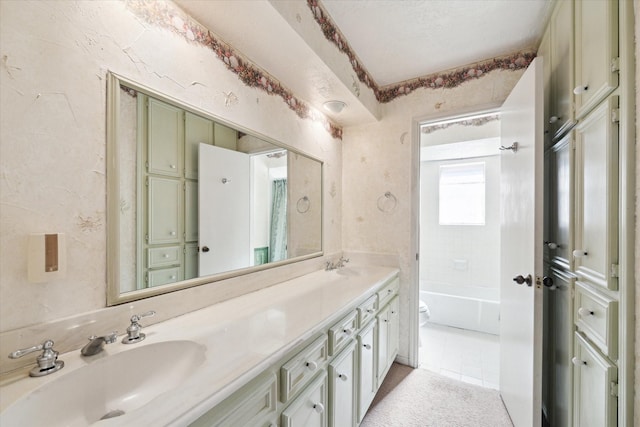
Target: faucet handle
point(133, 331)
point(48, 362)
point(136, 317)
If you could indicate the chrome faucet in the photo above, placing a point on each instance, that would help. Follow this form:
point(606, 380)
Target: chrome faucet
point(338, 264)
point(96, 344)
point(133, 331)
point(341, 262)
point(48, 362)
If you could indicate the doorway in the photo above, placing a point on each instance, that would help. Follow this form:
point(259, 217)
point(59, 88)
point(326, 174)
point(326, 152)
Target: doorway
point(459, 267)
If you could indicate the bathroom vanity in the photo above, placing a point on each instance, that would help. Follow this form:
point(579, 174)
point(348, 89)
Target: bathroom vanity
point(311, 351)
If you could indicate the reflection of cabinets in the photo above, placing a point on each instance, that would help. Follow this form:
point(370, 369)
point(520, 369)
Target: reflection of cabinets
point(168, 189)
point(327, 381)
point(583, 173)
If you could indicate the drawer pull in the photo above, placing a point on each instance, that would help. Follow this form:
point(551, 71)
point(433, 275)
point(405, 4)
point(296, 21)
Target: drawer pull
point(578, 362)
point(343, 377)
point(585, 312)
point(166, 255)
point(386, 320)
point(579, 90)
point(172, 166)
point(319, 407)
point(553, 119)
point(389, 291)
point(172, 233)
point(367, 346)
point(370, 310)
point(312, 366)
point(347, 332)
point(579, 253)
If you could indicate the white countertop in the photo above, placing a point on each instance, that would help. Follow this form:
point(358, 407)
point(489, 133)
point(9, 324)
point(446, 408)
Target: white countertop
point(242, 337)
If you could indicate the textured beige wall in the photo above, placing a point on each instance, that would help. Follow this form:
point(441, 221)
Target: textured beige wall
point(52, 137)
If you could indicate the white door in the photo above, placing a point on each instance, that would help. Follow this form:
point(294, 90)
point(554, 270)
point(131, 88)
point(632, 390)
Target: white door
point(223, 210)
point(521, 249)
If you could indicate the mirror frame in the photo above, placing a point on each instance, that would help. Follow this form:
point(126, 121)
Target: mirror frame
point(114, 296)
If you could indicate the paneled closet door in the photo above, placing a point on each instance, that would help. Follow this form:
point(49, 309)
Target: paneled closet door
point(596, 229)
point(197, 130)
point(560, 172)
point(164, 211)
point(596, 69)
point(561, 103)
point(166, 139)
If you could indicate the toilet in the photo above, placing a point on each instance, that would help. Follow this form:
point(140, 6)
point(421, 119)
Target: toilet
point(424, 313)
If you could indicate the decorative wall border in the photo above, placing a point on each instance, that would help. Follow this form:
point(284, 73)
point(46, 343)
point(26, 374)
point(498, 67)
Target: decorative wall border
point(168, 16)
point(476, 121)
point(446, 79)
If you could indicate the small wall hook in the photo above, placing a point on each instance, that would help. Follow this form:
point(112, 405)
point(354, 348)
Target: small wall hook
point(514, 147)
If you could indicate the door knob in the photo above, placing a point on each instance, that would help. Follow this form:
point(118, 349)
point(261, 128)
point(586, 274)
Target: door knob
point(205, 249)
point(552, 245)
point(520, 280)
point(548, 282)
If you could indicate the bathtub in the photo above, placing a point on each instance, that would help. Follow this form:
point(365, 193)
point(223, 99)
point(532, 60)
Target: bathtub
point(468, 307)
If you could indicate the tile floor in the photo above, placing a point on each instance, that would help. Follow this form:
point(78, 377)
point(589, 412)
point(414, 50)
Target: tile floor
point(469, 356)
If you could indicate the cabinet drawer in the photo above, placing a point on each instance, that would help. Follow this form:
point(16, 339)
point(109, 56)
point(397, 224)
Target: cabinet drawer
point(367, 310)
point(164, 276)
point(299, 370)
point(163, 257)
point(597, 316)
point(594, 378)
point(309, 409)
point(253, 405)
point(342, 332)
point(388, 292)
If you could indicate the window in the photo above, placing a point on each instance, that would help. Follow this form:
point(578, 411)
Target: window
point(461, 195)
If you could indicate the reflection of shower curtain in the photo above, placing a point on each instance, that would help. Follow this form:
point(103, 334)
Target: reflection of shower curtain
point(278, 230)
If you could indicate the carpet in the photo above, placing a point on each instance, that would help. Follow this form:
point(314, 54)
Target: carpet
point(419, 398)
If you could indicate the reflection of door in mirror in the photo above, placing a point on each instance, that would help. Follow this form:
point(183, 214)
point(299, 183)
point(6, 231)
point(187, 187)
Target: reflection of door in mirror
point(224, 210)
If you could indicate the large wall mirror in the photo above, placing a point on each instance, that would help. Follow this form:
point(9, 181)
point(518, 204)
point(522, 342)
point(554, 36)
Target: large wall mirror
point(192, 199)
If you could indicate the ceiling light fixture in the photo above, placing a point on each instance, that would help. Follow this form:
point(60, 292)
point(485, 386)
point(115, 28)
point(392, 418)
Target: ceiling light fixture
point(334, 106)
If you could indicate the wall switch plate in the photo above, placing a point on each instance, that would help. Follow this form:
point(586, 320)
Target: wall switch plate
point(47, 257)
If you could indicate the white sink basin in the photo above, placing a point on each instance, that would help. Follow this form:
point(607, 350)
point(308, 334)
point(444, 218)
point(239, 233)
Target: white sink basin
point(107, 387)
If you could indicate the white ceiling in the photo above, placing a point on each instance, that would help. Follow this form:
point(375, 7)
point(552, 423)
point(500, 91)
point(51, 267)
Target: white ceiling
point(398, 40)
point(395, 40)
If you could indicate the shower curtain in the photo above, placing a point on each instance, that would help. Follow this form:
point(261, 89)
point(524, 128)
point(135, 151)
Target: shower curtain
point(278, 229)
